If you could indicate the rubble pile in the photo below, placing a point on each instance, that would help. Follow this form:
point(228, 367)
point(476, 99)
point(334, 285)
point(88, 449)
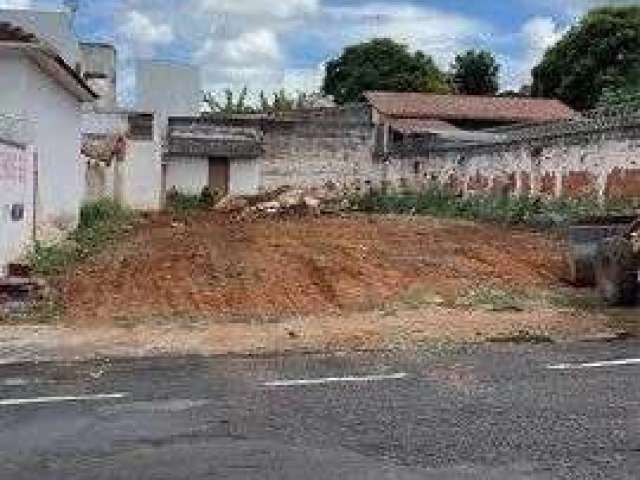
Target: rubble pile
point(283, 202)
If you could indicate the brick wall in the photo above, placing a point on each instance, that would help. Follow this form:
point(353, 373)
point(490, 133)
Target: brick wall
point(598, 165)
point(314, 155)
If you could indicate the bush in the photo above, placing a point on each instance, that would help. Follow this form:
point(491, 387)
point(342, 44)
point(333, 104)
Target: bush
point(182, 202)
point(511, 210)
point(100, 223)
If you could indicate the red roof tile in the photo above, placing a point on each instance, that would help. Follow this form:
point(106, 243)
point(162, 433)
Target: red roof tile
point(467, 107)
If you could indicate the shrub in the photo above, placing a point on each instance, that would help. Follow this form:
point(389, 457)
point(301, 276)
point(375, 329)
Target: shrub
point(100, 223)
point(511, 210)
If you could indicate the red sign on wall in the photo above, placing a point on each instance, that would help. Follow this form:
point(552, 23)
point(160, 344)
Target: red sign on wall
point(13, 166)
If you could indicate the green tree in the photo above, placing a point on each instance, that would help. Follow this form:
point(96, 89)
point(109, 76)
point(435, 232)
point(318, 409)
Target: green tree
point(628, 94)
point(599, 54)
point(475, 72)
point(380, 64)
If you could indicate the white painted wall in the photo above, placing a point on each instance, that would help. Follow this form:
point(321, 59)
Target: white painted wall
point(138, 178)
point(53, 117)
point(191, 175)
point(244, 176)
point(142, 175)
point(56, 118)
point(54, 27)
point(187, 175)
point(168, 90)
point(16, 188)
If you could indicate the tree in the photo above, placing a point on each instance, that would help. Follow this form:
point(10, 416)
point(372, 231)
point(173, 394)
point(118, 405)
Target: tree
point(381, 64)
point(628, 94)
point(600, 53)
point(475, 72)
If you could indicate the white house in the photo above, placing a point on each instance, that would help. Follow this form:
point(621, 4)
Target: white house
point(40, 87)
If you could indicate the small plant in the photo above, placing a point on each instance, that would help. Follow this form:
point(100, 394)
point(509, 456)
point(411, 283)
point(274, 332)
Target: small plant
point(492, 299)
point(100, 223)
point(183, 202)
point(522, 336)
point(510, 210)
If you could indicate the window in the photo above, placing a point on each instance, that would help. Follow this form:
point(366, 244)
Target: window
point(141, 126)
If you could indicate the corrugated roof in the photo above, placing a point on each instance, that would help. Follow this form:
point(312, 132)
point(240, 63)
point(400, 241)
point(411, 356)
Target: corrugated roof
point(468, 107)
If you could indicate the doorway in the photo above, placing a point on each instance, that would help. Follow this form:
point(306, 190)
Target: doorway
point(219, 175)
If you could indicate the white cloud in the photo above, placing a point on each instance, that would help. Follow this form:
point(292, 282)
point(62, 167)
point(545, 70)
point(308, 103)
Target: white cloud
point(18, 4)
point(142, 30)
point(536, 36)
point(439, 34)
point(283, 9)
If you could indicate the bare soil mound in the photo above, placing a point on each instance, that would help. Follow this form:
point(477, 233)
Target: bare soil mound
point(213, 266)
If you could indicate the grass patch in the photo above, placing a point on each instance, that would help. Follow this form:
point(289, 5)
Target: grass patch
point(442, 202)
point(420, 296)
point(522, 336)
point(183, 203)
point(100, 223)
point(492, 299)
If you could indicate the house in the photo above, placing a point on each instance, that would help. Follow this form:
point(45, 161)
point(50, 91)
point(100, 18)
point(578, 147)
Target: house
point(402, 116)
point(44, 92)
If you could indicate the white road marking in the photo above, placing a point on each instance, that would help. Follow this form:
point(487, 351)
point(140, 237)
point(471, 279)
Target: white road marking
point(79, 398)
point(14, 382)
point(580, 366)
point(324, 381)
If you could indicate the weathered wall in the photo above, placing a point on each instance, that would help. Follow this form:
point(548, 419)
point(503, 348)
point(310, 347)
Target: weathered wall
point(135, 178)
point(190, 175)
point(187, 175)
point(16, 202)
point(99, 67)
point(313, 155)
point(600, 164)
point(55, 27)
point(244, 176)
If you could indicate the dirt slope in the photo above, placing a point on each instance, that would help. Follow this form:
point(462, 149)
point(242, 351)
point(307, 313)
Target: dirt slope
point(215, 267)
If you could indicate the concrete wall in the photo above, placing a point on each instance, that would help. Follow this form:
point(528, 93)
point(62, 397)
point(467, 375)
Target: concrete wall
point(191, 175)
point(56, 119)
point(187, 175)
point(134, 180)
point(167, 89)
point(309, 155)
point(600, 165)
point(99, 66)
point(16, 202)
point(53, 26)
point(142, 175)
point(244, 176)
point(53, 118)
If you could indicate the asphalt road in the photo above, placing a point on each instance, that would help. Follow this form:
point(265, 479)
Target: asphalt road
point(485, 413)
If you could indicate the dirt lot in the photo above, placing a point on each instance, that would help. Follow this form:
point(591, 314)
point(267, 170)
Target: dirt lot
point(211, 266)
point(213, 285)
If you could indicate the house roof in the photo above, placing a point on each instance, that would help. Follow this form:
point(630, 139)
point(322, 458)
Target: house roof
point(47, 58)
point(468, 107)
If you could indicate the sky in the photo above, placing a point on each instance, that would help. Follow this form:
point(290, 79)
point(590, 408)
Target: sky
point(270, 44)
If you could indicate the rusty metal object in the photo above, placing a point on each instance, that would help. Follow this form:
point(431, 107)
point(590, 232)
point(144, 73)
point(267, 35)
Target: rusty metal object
point(584, 240)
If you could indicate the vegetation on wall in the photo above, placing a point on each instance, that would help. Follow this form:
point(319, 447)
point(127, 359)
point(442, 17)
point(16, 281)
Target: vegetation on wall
point(598, 55)
point(280, 101)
